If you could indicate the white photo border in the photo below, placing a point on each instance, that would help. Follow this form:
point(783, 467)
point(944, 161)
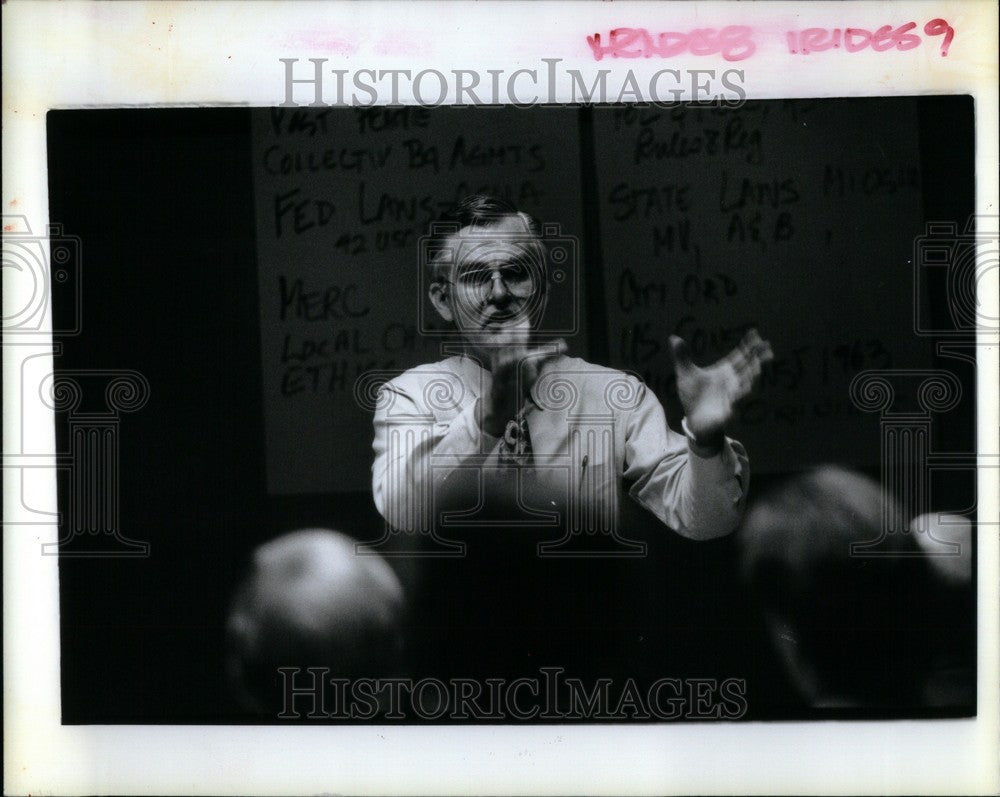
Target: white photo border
point(82, 54)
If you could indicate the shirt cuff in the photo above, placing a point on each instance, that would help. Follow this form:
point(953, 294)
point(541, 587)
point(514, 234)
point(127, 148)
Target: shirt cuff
point(724, 469)
point(705, 452)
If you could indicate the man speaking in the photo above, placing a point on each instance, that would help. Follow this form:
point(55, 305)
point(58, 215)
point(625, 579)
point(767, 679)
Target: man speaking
point(510, 434)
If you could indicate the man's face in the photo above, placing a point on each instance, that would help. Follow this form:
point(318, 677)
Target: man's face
point(493, 287)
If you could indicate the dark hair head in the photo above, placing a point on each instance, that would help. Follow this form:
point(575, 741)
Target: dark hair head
point(854, 617)
point(476, 211)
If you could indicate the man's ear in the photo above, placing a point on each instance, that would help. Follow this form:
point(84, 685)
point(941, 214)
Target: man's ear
point(439, 298)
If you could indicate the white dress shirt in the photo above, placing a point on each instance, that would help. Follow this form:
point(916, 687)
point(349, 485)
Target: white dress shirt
point(596, 435)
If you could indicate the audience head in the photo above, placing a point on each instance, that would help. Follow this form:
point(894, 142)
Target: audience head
point(310, 600)
point(848, 627)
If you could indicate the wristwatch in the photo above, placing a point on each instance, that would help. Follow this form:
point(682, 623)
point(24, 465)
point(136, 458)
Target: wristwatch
point(699, 448)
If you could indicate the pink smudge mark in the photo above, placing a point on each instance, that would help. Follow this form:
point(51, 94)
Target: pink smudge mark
point(399, 45)
point(8, 228)
point(327, 42)
point(13, 203)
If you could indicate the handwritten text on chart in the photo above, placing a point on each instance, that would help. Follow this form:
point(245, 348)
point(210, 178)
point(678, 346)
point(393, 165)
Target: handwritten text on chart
point(736, 42)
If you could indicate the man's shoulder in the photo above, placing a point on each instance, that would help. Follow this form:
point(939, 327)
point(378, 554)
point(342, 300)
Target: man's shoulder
point(450, 365)
point(591, 371)
point(420, 376)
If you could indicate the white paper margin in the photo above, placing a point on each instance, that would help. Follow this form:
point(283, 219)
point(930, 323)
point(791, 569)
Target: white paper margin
point(70, 54)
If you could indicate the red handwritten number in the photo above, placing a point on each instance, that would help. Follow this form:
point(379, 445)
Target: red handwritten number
point(733, 43)
point(736, 43)
point(938, 26)
point(816, 40)
point(883, 39)
point(906, 40)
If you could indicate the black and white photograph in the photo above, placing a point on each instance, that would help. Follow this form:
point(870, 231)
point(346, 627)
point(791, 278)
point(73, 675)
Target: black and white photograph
point(619, 410)
point(497, 414)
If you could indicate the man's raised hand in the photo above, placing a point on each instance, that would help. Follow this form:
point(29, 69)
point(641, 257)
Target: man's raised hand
point(709, 395)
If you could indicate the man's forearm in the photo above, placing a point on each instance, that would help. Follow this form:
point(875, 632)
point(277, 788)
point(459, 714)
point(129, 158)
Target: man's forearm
point(716, 489)
point(699, 495)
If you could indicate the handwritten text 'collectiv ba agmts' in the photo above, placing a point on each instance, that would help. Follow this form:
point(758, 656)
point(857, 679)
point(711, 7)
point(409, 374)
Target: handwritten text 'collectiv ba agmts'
point(736, 42)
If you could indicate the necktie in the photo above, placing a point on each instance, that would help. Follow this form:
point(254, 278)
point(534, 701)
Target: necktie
point(515, 446)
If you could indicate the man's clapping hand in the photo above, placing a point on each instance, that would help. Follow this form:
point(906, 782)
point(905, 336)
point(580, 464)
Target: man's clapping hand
point(709, 395)
point(520, 360)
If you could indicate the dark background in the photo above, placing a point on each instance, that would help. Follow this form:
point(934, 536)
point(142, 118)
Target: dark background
point(163, 203)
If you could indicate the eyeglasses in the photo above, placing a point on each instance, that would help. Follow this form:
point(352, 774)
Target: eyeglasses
point(517, 279)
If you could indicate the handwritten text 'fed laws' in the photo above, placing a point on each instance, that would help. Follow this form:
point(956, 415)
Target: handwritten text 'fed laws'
point(736, 42)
